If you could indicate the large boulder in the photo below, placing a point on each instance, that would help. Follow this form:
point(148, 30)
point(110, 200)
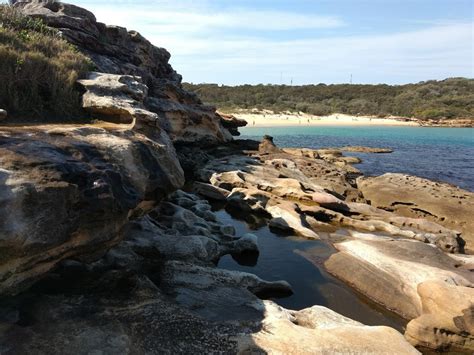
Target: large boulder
point(117, 98)
point(389, 270)
point(447, 320)
point(416, 197)
point(114, 50)
point(66, 192)
point(318, 330)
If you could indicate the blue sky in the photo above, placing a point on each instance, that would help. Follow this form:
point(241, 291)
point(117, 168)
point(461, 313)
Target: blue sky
point(309, 41)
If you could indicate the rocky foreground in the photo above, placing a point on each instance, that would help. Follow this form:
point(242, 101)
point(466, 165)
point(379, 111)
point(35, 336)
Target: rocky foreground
point(108, 243)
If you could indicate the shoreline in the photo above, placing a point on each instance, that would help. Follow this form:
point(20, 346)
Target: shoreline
point(270, 120)
point(290, 120)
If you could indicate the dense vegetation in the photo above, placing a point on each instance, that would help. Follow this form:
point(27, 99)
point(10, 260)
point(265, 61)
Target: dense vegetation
point(450, 98)
point(38, 70)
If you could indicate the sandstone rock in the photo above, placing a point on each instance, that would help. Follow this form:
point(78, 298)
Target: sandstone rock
point(194, 310)
point(116, 98)
point(447, 319)
point(303, 152)
point(285, 217)
point(67, 192)
point(269, 179)
point(182, 227)
point(251, 201)
point(210, 191)
point(389, 271)
point(118, 313)
point(228, 295)
point(3, 115)
point(318, 330)
point(464, 261)
point(267, 146)
point(189, 123)
point(114, 50)
point(412, 196)
point(232, 123)
point(329, 153)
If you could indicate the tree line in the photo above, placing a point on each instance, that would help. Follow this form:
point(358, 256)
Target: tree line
point(450, 98)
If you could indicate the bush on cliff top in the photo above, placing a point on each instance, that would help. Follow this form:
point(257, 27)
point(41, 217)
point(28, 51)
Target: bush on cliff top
point(38, 70)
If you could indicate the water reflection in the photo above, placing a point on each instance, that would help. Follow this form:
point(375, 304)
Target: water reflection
point(299, 262)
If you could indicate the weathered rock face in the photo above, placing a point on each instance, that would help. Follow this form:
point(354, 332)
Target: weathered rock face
point(303, 192)
point(114, 50)
point(389, 271)
point(318, 330)
point(382, 254)
point(267, 146)
point(67, 192)
point(416, 197)
point(232, 123)
point(159, 291)
point(447, 321)
point(116, 98)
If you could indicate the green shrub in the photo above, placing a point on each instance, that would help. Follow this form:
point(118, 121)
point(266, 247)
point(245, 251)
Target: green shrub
point(450, 98)
point(38, 70)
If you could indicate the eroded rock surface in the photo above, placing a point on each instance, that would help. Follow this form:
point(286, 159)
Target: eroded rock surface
point(416, 197)
point(128, 268)
point(232, 123)
point(159, 291)
point(116, 98)
point(67, 192)
point(383, 254)
point(389, 271)
point(447, 319)
point(318, 330)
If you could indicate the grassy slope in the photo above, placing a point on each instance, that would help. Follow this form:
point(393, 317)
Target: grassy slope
point(38, 71)
point(450, 98)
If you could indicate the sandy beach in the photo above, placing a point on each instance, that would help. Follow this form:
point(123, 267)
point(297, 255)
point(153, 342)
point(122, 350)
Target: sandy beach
point(295, 119)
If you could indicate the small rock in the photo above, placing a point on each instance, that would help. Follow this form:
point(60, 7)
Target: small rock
point(211, 191)
point(267, 146)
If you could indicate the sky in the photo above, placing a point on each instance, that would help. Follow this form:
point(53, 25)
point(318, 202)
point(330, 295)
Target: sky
point(303, 41)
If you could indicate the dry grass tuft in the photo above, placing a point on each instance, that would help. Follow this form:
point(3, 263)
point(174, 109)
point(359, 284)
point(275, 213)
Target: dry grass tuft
point(38, 70)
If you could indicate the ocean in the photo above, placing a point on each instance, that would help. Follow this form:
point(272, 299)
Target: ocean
point(440, 154)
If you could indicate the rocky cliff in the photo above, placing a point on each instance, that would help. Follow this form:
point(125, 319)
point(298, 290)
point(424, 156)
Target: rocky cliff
point(114, 50)
point(67, 191)
point(102, 252)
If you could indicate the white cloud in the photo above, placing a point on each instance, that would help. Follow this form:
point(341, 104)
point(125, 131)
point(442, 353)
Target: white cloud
point(245, 46)
point(436, 52)
point(193, 20)
point(250, 46)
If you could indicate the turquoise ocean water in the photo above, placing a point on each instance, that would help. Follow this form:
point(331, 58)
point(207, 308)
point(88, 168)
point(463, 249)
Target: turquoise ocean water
point(441, 154)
